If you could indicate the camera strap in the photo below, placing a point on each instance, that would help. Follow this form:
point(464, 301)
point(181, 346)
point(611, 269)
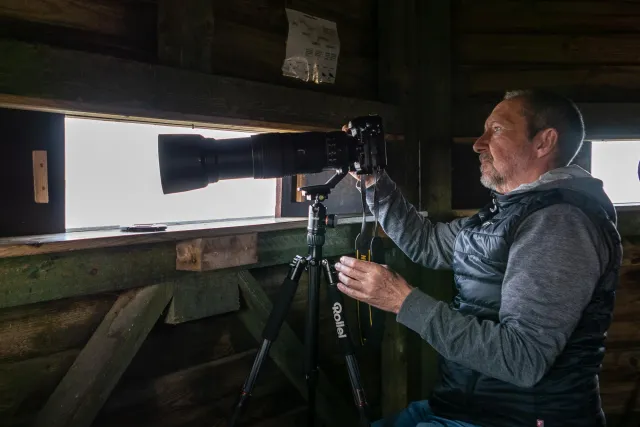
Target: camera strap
point(369, 247)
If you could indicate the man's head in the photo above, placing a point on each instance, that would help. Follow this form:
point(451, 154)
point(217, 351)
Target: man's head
point(529, 133)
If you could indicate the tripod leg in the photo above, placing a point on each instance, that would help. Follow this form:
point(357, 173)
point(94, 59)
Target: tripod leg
point(339, 316)
point(270, 332)
point(311, 340)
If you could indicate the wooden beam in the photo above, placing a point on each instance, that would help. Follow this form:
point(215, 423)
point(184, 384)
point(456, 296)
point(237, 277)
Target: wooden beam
point(435, 107)
point(216, 253)
point(570, 49)
point(42, 77)
point(287, 352)
point(90, 380)
point(26, 280)
point(549, 16)
point(193, 299)
point(185, 34)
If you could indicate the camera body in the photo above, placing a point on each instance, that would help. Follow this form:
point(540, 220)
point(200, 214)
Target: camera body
point(370, 149)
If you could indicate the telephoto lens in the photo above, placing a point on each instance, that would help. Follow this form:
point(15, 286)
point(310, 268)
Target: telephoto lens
point(189, 162)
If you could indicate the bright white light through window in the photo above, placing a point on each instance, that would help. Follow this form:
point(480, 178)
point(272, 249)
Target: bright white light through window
point(113, 179)
point(616, 164)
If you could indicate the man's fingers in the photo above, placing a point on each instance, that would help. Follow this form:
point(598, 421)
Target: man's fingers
point(350, 282)
point(353, 293)
point(350, 271)
point(363, 266)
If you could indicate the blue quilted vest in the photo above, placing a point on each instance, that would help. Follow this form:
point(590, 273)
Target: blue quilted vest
point(568, 395)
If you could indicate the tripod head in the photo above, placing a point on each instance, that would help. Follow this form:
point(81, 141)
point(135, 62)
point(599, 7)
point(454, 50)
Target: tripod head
point(319, 193)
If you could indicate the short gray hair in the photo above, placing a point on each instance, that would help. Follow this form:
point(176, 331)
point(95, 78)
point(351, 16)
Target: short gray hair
point(545, 110)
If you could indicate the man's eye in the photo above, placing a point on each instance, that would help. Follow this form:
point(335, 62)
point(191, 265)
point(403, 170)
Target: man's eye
point(497, 129)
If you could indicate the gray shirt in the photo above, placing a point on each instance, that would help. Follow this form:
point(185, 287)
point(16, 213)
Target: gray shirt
point(554, 264)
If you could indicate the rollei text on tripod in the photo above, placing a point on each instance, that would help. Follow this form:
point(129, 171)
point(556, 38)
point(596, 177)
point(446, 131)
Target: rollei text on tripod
point(188, 162)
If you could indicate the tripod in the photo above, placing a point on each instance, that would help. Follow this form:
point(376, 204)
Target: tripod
point(315, 263)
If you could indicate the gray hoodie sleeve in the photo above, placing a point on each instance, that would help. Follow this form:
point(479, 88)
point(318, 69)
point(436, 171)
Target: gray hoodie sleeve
point(554, 263)
point(425, 243)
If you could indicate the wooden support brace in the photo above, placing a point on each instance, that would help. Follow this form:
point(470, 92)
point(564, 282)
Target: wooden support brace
point(88, 383)
point(196, 298)
point(215, 253)
point(287, 353)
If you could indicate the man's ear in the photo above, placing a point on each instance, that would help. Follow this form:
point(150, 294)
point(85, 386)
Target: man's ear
point(546, 142)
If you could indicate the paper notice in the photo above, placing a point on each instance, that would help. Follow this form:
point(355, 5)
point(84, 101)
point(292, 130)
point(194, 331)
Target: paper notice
point(313, 47)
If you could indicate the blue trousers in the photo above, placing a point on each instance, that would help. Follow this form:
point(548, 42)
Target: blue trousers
point(419, 414)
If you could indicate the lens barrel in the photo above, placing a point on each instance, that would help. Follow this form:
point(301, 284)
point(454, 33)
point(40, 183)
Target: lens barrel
point(189, 162)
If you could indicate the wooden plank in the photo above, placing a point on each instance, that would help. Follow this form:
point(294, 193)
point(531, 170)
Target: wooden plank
point(287, 353)
point(185, 34)
point(607, 49)
point(193, 300)
point(40, 329)
point(26, 280)
point(96, 371)
point(215, 253)
point(395, 367)
point(95, 84)
point(40, 176)
point(435, 105)
point(552, 16)
point(583, 83)
point(25, 385)
point(246, 52)
point(75, 241)
point(100, 16)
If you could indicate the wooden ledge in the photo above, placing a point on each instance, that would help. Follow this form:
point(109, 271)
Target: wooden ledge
point(81, 240)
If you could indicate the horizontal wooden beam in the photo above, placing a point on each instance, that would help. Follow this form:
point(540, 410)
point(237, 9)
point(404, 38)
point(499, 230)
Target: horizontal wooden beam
point(552, 16)
point(605, 49)
point(52, 79)
point(25, 280)
point(76, 241)
point(602, 120)
point(78, 398)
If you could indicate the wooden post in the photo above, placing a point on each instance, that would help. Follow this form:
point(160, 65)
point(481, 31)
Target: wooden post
point(396, 40)
point(185, 34)
point(88, 383)
point(434, 106)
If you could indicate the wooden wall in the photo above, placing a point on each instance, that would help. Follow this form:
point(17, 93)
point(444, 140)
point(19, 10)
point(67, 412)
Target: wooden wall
point(246, 38)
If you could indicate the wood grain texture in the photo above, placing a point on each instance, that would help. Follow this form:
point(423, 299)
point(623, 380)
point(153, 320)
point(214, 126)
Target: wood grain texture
point(105, 17)
point(25, 280)
point(216, 253)
point(193, 300)
point(553, 16)
point(96, 371)
point(25, 385)
point(40, 176)
point(38, 330)
point(607, 49)
point(185, 34)
point(94, 83)
point(604, 83)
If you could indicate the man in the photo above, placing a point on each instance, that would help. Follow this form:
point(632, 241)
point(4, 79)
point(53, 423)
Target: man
point(536, 273)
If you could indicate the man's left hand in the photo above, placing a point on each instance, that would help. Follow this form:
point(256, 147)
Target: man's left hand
point(372, 283)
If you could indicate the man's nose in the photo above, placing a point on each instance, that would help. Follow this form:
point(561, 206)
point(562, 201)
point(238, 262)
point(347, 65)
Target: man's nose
point(481, 144)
